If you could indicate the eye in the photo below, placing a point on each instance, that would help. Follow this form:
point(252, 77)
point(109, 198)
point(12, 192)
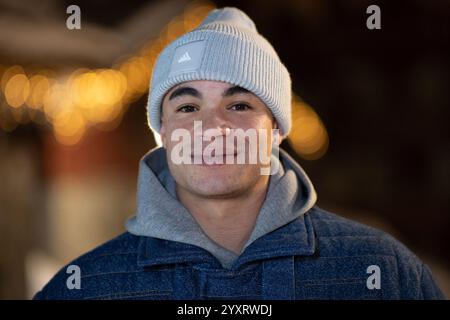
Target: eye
point(240, 107)
point(187, 108)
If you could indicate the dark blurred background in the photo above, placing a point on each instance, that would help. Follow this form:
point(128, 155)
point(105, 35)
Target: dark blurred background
point(371, 113)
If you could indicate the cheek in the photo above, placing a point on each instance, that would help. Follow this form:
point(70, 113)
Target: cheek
point(266, 124)
point(172, 123)
point(256, 122)
point(177, 132)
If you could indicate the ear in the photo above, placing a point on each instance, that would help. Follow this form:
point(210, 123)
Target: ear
point(276, 136)
point(162, 130)
point(162, 133)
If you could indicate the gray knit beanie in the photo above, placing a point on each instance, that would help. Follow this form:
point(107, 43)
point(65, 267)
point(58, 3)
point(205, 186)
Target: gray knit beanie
point(225, 47)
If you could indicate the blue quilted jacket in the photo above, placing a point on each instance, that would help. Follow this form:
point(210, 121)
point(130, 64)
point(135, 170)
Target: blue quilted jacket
point(296, 251)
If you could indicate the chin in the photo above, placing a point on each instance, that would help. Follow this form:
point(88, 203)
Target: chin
point(216, 180)
point(219, 190)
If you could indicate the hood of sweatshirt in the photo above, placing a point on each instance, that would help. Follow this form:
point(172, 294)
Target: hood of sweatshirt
point(160, 215)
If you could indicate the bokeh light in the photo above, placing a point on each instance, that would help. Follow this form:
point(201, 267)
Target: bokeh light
point(74, 102)
point(308, 136)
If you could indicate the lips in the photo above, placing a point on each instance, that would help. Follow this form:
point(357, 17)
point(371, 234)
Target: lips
point(213, 155)
point(212, 160)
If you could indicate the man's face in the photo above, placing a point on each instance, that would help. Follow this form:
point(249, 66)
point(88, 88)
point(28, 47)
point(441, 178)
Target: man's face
point(221, 106)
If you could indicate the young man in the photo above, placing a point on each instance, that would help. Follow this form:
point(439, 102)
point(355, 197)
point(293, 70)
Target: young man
point(207, 228)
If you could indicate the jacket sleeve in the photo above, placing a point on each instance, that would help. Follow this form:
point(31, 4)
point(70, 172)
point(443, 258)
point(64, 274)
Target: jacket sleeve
point(415, 280)
point(38, 296)
point(429, 288)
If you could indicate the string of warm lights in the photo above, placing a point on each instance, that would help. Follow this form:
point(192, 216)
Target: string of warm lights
point(308, 135)
point(72, 103)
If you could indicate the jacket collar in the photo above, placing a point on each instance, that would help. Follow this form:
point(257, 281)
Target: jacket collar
point(293, 239)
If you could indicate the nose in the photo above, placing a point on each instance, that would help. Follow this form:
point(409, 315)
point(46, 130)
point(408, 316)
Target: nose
point(213, 126)
point(216, 120)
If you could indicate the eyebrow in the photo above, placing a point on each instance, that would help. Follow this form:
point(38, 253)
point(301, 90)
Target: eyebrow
point(234, 90)
point(194, 92)
point(185, 91)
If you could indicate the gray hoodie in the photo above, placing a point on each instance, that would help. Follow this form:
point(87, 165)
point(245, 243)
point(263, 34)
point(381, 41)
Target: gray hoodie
point(160, 214)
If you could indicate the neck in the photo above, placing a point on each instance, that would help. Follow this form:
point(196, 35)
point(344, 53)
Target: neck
point(228, 221)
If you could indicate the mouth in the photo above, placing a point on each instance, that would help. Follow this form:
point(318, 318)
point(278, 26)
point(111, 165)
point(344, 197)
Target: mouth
point(213, 160)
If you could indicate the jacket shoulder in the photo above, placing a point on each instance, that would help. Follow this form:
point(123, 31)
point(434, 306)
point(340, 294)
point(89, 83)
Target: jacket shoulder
point(328, 224)
point(343, 239)
point(116, 255)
